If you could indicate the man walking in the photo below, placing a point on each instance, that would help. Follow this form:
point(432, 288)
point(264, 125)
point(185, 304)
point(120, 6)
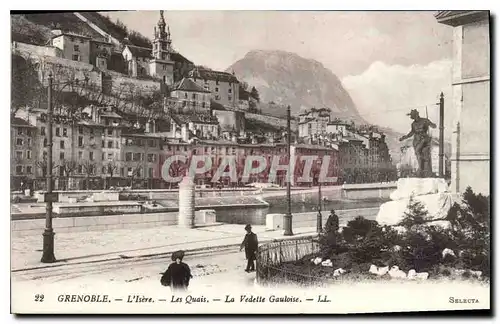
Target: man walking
point(250, 243)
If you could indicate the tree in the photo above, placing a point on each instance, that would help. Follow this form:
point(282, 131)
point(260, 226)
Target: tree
point(110, 168)
point(255, 94)
point(415, 214)
point(25, 85)
point(68, 167)
point(89, 169)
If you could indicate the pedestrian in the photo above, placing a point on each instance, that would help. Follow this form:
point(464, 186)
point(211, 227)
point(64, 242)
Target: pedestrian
point(178, 274)
point(250, 243)
point(332, 223)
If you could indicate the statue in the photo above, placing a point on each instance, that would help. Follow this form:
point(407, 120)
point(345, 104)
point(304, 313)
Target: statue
point(421, 142)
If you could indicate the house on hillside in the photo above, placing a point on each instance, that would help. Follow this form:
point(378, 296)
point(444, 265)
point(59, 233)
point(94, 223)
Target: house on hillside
point(191, 97)
point(224, 86)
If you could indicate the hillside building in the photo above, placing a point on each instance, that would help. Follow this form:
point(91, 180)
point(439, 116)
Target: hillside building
point(223, 86)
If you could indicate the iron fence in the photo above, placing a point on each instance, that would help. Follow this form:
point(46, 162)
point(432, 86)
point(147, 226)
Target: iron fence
point(271, 256)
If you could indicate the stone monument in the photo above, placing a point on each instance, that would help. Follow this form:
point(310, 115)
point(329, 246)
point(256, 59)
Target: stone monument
point(421, 142)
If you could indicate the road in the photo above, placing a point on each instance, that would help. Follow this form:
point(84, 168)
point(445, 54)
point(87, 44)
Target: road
point(207, 270)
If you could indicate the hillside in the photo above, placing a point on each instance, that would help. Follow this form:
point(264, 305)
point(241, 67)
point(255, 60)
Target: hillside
point(285, 78)
point(35, 28)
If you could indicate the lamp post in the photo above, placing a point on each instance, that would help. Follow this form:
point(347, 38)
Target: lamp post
point(48, 234)
point(50, 197)
point(287, 220)
point(441, 135)
point(319, 217)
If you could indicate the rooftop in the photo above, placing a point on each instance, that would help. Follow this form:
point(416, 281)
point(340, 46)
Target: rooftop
point(207, 74)
point(187, 84)
point(19, 122)
point(138, 51)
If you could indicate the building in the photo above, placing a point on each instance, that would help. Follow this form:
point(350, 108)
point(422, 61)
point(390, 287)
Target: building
point(313, 121)
point(191, 97)
point(160, 62)
point(73, 46)
point(23, 156)
point(337, 127)
point(224, 86)
point(470, 158)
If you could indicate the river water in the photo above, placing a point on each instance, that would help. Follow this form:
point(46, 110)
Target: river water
point(278, 205)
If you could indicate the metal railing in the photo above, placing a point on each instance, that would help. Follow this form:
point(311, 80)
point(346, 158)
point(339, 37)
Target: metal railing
point(271, 256)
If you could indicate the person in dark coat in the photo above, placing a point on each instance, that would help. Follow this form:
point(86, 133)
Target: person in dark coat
point(332, 223)
point(178, 274)
point(250, 243)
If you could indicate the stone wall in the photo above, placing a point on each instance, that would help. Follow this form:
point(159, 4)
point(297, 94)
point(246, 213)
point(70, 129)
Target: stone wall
point(275, 121)
point(368, 190)
point(104, 223)
point(275, 221)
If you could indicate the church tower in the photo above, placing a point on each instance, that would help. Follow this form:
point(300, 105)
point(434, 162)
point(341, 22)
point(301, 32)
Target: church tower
point(161, 65)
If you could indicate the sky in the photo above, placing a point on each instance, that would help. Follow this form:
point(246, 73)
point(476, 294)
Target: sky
point(388, 61)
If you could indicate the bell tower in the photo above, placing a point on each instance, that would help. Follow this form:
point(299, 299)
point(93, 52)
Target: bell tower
point(161, 65)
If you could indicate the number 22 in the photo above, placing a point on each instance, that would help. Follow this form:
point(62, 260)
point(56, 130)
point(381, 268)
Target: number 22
point(39, 298)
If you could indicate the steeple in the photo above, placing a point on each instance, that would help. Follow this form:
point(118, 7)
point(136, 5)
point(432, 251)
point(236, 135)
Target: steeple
point(161, 22)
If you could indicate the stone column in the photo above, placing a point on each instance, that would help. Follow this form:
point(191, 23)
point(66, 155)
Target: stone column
point(185, 217)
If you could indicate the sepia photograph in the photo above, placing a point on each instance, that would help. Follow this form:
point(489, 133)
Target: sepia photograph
point(250, 162)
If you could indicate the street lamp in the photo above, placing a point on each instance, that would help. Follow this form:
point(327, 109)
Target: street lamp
point(287, 220)
point(319, 217)
point(49, 198)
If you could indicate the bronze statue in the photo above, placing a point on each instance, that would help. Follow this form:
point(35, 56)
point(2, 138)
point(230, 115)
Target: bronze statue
point(421, 142)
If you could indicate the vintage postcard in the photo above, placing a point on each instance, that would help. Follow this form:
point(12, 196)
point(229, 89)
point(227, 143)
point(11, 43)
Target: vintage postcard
point(250, 162)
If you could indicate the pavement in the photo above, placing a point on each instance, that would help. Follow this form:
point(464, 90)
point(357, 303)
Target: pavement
point(98, 246)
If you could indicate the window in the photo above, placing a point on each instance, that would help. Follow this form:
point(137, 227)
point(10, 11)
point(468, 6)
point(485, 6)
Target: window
point(110, 156)
point(29, 170)
point(76, 48)
point(185, 95)
point(19, 155)
point(150, 172)
point(19, 141)
point(80, 141)
point(216, 89)
point(110, 144)
point(129, 172)
point(19, 131)
point(194, 96)
point(80, 168)
point(151, 143)
point(19, 169)
point(42, 131)
point(137, 156)
point(121, 172)
point(58, 133)
point(229, 98)
point(229, 90)
point(164, 67)
point(80, 129)
point(217, 82)
point(203, 104)
point(28, 132)
point(91, 131)
point(128, 156)
point(91, 156)
point(61, 156)
point(28, 155)
point(29, 141)
point(45, 142)
point(110, 131)
point(61, 144)
point(76, 57)
point(80, 155)
point(102, 156)
point(81, 40)
point(151, 157)
point(102, 143)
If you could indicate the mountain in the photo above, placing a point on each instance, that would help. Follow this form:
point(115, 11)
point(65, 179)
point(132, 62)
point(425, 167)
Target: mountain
point(286, 78)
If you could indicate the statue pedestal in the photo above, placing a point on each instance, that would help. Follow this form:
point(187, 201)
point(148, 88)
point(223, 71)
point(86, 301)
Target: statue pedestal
point(433, 193)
